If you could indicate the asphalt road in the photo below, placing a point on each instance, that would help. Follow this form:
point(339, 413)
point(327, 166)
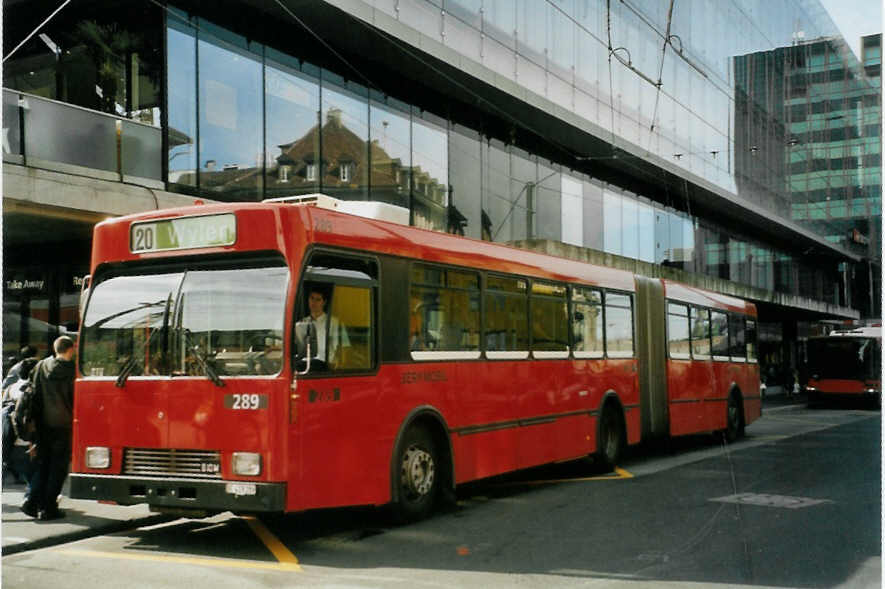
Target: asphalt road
point(795, 504)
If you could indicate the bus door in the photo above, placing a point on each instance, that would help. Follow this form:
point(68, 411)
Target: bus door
point(337, 426)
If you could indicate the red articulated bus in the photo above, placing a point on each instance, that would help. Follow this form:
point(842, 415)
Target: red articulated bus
point(847, 364)
point(284, 356)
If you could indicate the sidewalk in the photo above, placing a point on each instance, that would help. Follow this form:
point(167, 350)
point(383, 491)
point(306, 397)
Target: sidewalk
point(83, 519)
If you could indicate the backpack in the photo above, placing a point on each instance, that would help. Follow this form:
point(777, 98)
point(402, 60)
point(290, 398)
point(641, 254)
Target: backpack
point(26, 414)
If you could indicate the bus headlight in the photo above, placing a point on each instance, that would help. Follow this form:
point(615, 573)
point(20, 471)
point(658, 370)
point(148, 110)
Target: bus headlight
point(247, 464)
point(98, 457)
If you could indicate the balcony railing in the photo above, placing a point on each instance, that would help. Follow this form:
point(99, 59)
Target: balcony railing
point(53, 135)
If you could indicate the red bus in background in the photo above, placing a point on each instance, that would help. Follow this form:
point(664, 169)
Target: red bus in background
point(847, 364)
point(284, 356)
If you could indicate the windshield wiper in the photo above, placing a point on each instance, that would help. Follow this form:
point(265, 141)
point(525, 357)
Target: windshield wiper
point(146, 345)
point(207, 369)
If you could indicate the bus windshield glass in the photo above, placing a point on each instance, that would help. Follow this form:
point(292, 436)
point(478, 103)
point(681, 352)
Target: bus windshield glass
point(189, 323)
point(842, 357)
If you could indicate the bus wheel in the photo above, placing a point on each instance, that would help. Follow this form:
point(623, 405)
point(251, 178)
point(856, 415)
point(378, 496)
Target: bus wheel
point(733, 425)
point(417, 475)
point(611, 439)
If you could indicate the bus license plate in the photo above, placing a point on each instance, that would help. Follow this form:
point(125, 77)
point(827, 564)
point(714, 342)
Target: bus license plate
point(241, 488)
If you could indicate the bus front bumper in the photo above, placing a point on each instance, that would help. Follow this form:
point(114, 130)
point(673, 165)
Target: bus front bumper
point(181, 493)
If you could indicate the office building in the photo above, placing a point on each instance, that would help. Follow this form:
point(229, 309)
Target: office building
point(660, 137)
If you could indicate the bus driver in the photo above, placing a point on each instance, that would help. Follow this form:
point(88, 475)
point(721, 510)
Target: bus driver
point(327, 334)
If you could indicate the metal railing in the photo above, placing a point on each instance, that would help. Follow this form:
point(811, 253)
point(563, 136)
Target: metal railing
point(49, 134)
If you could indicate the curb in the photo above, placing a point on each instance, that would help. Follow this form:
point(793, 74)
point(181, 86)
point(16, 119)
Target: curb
point(65, 537)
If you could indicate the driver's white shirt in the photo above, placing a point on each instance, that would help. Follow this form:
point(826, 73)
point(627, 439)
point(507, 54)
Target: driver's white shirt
point(336, 337)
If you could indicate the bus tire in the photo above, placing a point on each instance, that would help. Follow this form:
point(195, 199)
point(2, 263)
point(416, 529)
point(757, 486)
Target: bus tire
point(611, 438)
point(418, 474)
point(734, 421)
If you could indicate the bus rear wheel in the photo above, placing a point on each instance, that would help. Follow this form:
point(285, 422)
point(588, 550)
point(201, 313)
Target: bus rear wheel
point(417, 476)
point(734, 427)
point(611, 439)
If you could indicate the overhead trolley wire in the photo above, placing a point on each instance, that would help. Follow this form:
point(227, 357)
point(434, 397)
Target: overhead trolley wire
point(35, 31)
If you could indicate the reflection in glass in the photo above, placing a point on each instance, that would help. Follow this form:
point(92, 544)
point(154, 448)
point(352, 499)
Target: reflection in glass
point(465, 208)
point(549, 323)
point(506, 318)
point(612, 222)
point(231, 95)
point(178, 323)
point(572, 211)
point(548, 205)
point(646, 220)
point(430, 173)
point(677, 331)
point(629, 228)
point(499, 20)
point(587, 322)
point(700, 332)
point(344, 170)
point(291, 131)
point(496, 192)
point(181, 88)
point(391, 154)
point(618, 324)
point(594, 218)
point(524, 189)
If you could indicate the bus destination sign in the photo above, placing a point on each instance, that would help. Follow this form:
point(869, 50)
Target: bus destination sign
point(183, 233)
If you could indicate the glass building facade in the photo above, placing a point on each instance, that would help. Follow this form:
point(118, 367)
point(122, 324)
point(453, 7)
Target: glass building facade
point(658, 117)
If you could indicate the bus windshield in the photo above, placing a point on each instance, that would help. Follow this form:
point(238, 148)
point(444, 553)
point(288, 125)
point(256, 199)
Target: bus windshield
point(842, 357)
point(188, 323)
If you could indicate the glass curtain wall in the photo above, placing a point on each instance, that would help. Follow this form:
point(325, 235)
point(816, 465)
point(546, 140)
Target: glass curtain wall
point(231, 106)
point(391, 130)
point(291, 127)
point(430, 171)
point(344, 139)
point(251, 122)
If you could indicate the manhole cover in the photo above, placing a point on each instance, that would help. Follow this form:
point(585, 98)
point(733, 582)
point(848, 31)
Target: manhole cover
point(766, 500)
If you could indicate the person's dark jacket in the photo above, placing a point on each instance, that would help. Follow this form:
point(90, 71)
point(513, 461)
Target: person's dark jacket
point(54, 380)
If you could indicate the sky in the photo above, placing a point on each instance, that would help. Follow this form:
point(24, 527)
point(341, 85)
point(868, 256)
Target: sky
point(855, 18)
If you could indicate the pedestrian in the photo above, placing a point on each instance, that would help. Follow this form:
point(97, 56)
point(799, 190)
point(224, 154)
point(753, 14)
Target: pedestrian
point(15, 459)
point(53, 382)
point(27, 353)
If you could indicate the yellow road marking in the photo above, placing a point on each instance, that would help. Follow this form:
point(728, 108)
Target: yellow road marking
point(210, 562)
point(279, 550)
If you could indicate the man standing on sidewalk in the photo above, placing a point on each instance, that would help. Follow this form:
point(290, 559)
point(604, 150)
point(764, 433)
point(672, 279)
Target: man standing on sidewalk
point(53, 381)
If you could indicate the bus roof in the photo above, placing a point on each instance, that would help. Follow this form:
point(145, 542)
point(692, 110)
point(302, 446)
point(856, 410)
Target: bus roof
point(858, 332)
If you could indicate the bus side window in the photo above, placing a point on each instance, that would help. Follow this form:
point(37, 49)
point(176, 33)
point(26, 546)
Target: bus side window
point(443, 310)
point(737, 347)
point(700, 333)
point(506, 314)
point(677, 331)
point(719, 326)
point(751, 340)
point(587, 322)
point(549, 318)
point(618, 325)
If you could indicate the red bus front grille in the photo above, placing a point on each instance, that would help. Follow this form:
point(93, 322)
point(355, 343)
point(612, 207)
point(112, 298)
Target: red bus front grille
point(170, 462)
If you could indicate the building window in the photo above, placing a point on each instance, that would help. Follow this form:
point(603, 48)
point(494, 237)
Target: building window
point(346, 172)
point(311, 173)
point(284, 173)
